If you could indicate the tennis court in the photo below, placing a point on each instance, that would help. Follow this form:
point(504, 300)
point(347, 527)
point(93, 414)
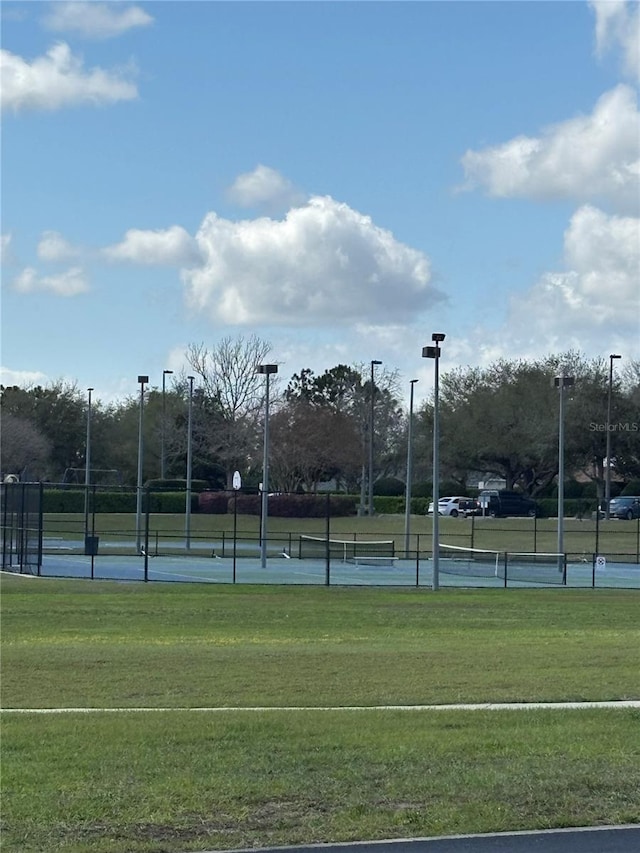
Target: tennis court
point(517, 570)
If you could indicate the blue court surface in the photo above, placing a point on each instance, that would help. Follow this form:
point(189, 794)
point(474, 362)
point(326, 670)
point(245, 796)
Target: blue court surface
point(280, 569)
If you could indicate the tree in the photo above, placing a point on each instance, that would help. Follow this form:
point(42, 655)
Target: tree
point(311, 444)
point(24, 449)
point(232, 398)
point(57, 412)
point(340, 401)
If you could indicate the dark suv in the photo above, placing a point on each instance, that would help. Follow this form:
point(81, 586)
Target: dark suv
point(507, 503)
point(625, 507)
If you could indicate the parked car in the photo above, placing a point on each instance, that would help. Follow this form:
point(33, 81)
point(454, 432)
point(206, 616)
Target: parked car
point(502, 503)
point(455, 506)
point(625, 507)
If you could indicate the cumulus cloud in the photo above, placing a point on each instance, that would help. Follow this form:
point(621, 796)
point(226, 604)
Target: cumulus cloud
point(95, 20)
point(618, 25)
point(53, 247)
point(170, 247)
point(69, 283)
point(58, 80)
point(595, 296)
point(264, 187)
point(587, 158)
point(323, 263)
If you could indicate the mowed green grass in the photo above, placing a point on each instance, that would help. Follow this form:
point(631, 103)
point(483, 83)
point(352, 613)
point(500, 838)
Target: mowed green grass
point(192, 780)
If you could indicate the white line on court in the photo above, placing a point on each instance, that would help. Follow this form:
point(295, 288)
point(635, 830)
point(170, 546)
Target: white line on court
point(487, 706)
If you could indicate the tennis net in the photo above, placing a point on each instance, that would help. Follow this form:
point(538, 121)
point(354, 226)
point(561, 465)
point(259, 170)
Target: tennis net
point(538, 567)
point(344, 550)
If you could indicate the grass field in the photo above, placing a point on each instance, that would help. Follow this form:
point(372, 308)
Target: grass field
point(171, 781)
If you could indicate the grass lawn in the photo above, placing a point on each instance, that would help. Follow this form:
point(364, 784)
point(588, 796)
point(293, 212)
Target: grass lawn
point(178, 781)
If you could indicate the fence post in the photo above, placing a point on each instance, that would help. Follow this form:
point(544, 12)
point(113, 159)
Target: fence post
point(473, 529)
point(327, 570)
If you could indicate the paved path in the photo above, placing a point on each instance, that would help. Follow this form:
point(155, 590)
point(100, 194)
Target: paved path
point(484, 706)
point(619, 839)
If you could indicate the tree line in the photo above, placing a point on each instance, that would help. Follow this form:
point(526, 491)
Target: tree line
point(498, 421)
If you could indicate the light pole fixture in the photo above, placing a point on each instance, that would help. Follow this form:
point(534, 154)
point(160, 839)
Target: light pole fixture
point(267, 370)
point(434, 353)
point(142, 380)
point(187, 511)
point(607, 480)
point(561, 382)
point(163, 472)
point(407, 498)
point(374, 362)
point(87, 466)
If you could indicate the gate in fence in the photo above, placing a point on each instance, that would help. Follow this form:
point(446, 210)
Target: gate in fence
point(21, 537)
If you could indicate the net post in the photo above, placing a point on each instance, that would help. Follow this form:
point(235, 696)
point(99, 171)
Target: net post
point(506, 562)
point(564, 569)
point(593, 571)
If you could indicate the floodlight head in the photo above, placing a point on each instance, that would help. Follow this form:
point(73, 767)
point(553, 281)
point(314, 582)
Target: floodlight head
point(167, 371)
point(430, 352)
point(438, 337)
point(413, 381)
point(267, 368)
point(91, 389)
point(564, 381)
point(375, 361)
point(143, 379)
point(615, 356)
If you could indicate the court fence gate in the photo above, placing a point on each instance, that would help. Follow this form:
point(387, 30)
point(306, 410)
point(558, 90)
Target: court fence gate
point(21, 535)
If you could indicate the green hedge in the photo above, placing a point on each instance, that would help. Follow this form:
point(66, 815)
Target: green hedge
point(578, 507)
point(72, 500)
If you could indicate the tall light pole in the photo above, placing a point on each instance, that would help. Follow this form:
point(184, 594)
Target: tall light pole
point(407, 498)
point(607, 481)
point(87, 466)
point(142, 380)
point(434, 353)
point(163, 472)
point(267, 370)
point(561, 382)
point(187, 510)
point(374, 362)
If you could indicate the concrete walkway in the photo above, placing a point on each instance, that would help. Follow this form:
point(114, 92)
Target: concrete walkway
point(598, 839)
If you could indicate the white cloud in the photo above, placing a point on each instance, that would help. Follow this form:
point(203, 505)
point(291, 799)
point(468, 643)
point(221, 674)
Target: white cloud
point(171, 247)
point(595, 301)
point(5, 248)
point(58, 80)
point(95, 20)
point(264, 187)
point(618, 25)
point(53, 247)
point(587, 158)
point(21, 378)
point(322, 263)
point(69, 283)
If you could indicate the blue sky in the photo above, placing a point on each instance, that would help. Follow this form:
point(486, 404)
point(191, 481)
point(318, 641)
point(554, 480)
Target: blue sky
point(341, 179)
